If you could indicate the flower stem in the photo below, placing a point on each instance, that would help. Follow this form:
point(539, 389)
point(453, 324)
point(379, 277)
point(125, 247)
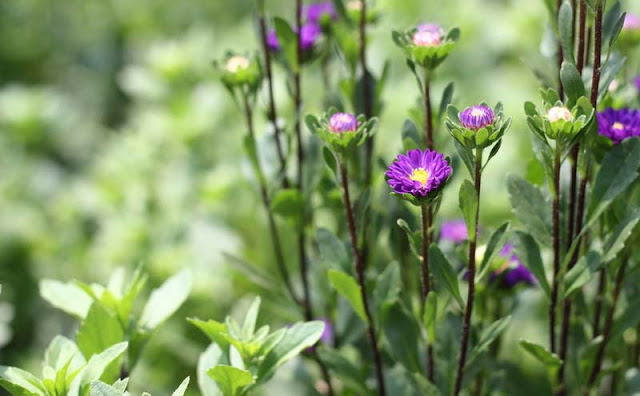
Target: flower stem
point(367, 99)
point(428, 118)
point(607, 326)
point(266, 201)
point(468, 310)
point(273, 117)
point(556, 250)
point(425, 211)
point(360, 269)
point(560, 57)
point(602, 283)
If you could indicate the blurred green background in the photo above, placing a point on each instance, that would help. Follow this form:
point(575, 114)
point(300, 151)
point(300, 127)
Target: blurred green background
point(119, 147)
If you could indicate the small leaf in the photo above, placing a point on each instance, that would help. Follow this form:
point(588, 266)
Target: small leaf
point(467, 158)
point(249, 324)
point(287, 39)
point(430, 315)
point(99, 388)
point(565, 28)
point(211, 357)
point(165, 300)
point(98, 331)
point(66, 296)
point(469, 207)
point(20, 382)
point(488, 336)
point(444, 273)
point(330, 160)
point(331, 248)
point(231, 380)
point(616, 240)
point(182, 388)
point(388, 286)
point(531, 207)
point(572, 82)
point(496, 242)
point(288, 203)
point(542, 354)
point(447, 96)
point(350, 290)
point(528, 251)
point(580, 274)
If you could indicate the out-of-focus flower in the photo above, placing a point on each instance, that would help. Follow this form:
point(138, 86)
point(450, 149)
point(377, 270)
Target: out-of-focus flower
point(354, 5)
point(239, 70)
point(430, 27)
point(512, 272)
point(427, 44)
point(631, 22)
point(236, 63)
point(308, 38)
point(343, 122)
point(636, 83)
point(620, 124)
point(558, 113)
point(317, 13)
point(427, 38)
point(477, 117)
point(454, 231)
point(519, 274)
point(615, 84)
point(421, 174)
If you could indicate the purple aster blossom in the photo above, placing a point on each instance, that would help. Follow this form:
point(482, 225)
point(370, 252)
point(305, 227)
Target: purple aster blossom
point(631, 22)
point(418, 173)
point(343, 122)
point(454, 231)
point(315, 12)
point(476, 117)
point(620, 124)
point(519, 274)
point(310, 34)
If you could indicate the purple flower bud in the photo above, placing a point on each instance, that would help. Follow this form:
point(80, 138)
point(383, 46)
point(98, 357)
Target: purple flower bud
point(476, 117)
point(427, 38)
point(418, 173)
point(454, 231)
point(631, 22)
point(343, 122)
point(620, 124)
point(559, 113)
point(272, 40)
point(519, 274)
point(316, 11)
point(308, 38)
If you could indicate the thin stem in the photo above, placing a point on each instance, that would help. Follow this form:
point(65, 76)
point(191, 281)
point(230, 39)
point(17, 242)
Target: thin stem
point(581, 35)
point(425, 211)
point(428, 120)
point(266, 201)
point(556, 251)
point(468, 310)
point(597, 54)
point(560, 57)
point(607, 326)
point(273, 117)
point(602, 283)
point(360, 269)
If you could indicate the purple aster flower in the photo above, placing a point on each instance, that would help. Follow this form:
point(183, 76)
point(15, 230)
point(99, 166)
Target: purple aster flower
point(427, 38)
point(454, 231)
point(418, 173)
point(309, 36)
point(620, 124)
point(631, 22)
point(429, 27)
point(343, 122)
point(315, 12)
point(477, 117)
point(519, 274)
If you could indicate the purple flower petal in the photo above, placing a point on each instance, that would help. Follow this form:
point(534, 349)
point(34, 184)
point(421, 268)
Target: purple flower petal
point(418, 173)
point(620, 124)
point(315, 12)
point(477, 117)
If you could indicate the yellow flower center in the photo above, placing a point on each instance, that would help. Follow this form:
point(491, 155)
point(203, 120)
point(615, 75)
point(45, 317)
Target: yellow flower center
point(618, 125)
point(420, 175)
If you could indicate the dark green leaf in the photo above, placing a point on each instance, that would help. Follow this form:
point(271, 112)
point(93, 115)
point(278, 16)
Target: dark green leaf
point(528, 251)
point(430, 315)
point(350, 290)
point(496, 243)
point(565, 28)
point(288, 42)
point(531, 207)
point(488, 336)
point(288, 203)
point(402, 334)
point(331, 248)
point(447, 97)
point(572, 82)
point(580, 274)
point(616, 241)
point(550, 360)
point(444, 273)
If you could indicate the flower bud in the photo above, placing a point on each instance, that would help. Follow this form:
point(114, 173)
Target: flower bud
point(343, 122)
point(557, 113)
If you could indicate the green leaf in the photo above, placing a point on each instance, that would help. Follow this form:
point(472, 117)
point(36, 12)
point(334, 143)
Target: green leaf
point(531, 207)
point(616, 241)
point(330, 160)
point(231, 380)
point(465, 156)
point(580, 274)
point(331, 248)
point(249, 324)
point(216, 331)
point(527, 250)
point(430, 314)
point(469, 207)
point(349, 373)
point(99, 388)
point(402, 334)
point(488, 336)
point(211, 357)
point(447, 96)
point(609, 72)
point(98, 331)
point(182, 388)
point(414, 237)
point(496, 242)
point(572, 82)
point(542, 354)
point(297, 338)
point(565, 28)
point(444, 273)
point(619, 169)
point(288, 42)
point(350, 290)
point(60, 352)
point(629, 317)
point(20, 383)
point(388, 286)
point(67, 297)
point(288, 203)
point(95, 368)
point(165, 300)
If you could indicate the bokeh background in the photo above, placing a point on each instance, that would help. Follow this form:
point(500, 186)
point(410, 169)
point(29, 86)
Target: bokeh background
point(119, 147)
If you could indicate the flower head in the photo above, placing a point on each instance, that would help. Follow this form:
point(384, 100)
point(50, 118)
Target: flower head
point(418, 173)
point(454, 231)
point(427, 38)
point(517, 275)
point(317, 12)
point(477, 117)
point(631, 22)
point(557, 113)
point(236, 63)
point(620, 124)
point(308, 38)
point(343, 122)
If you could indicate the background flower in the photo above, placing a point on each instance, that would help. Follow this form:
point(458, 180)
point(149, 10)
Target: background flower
point(620, 124)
